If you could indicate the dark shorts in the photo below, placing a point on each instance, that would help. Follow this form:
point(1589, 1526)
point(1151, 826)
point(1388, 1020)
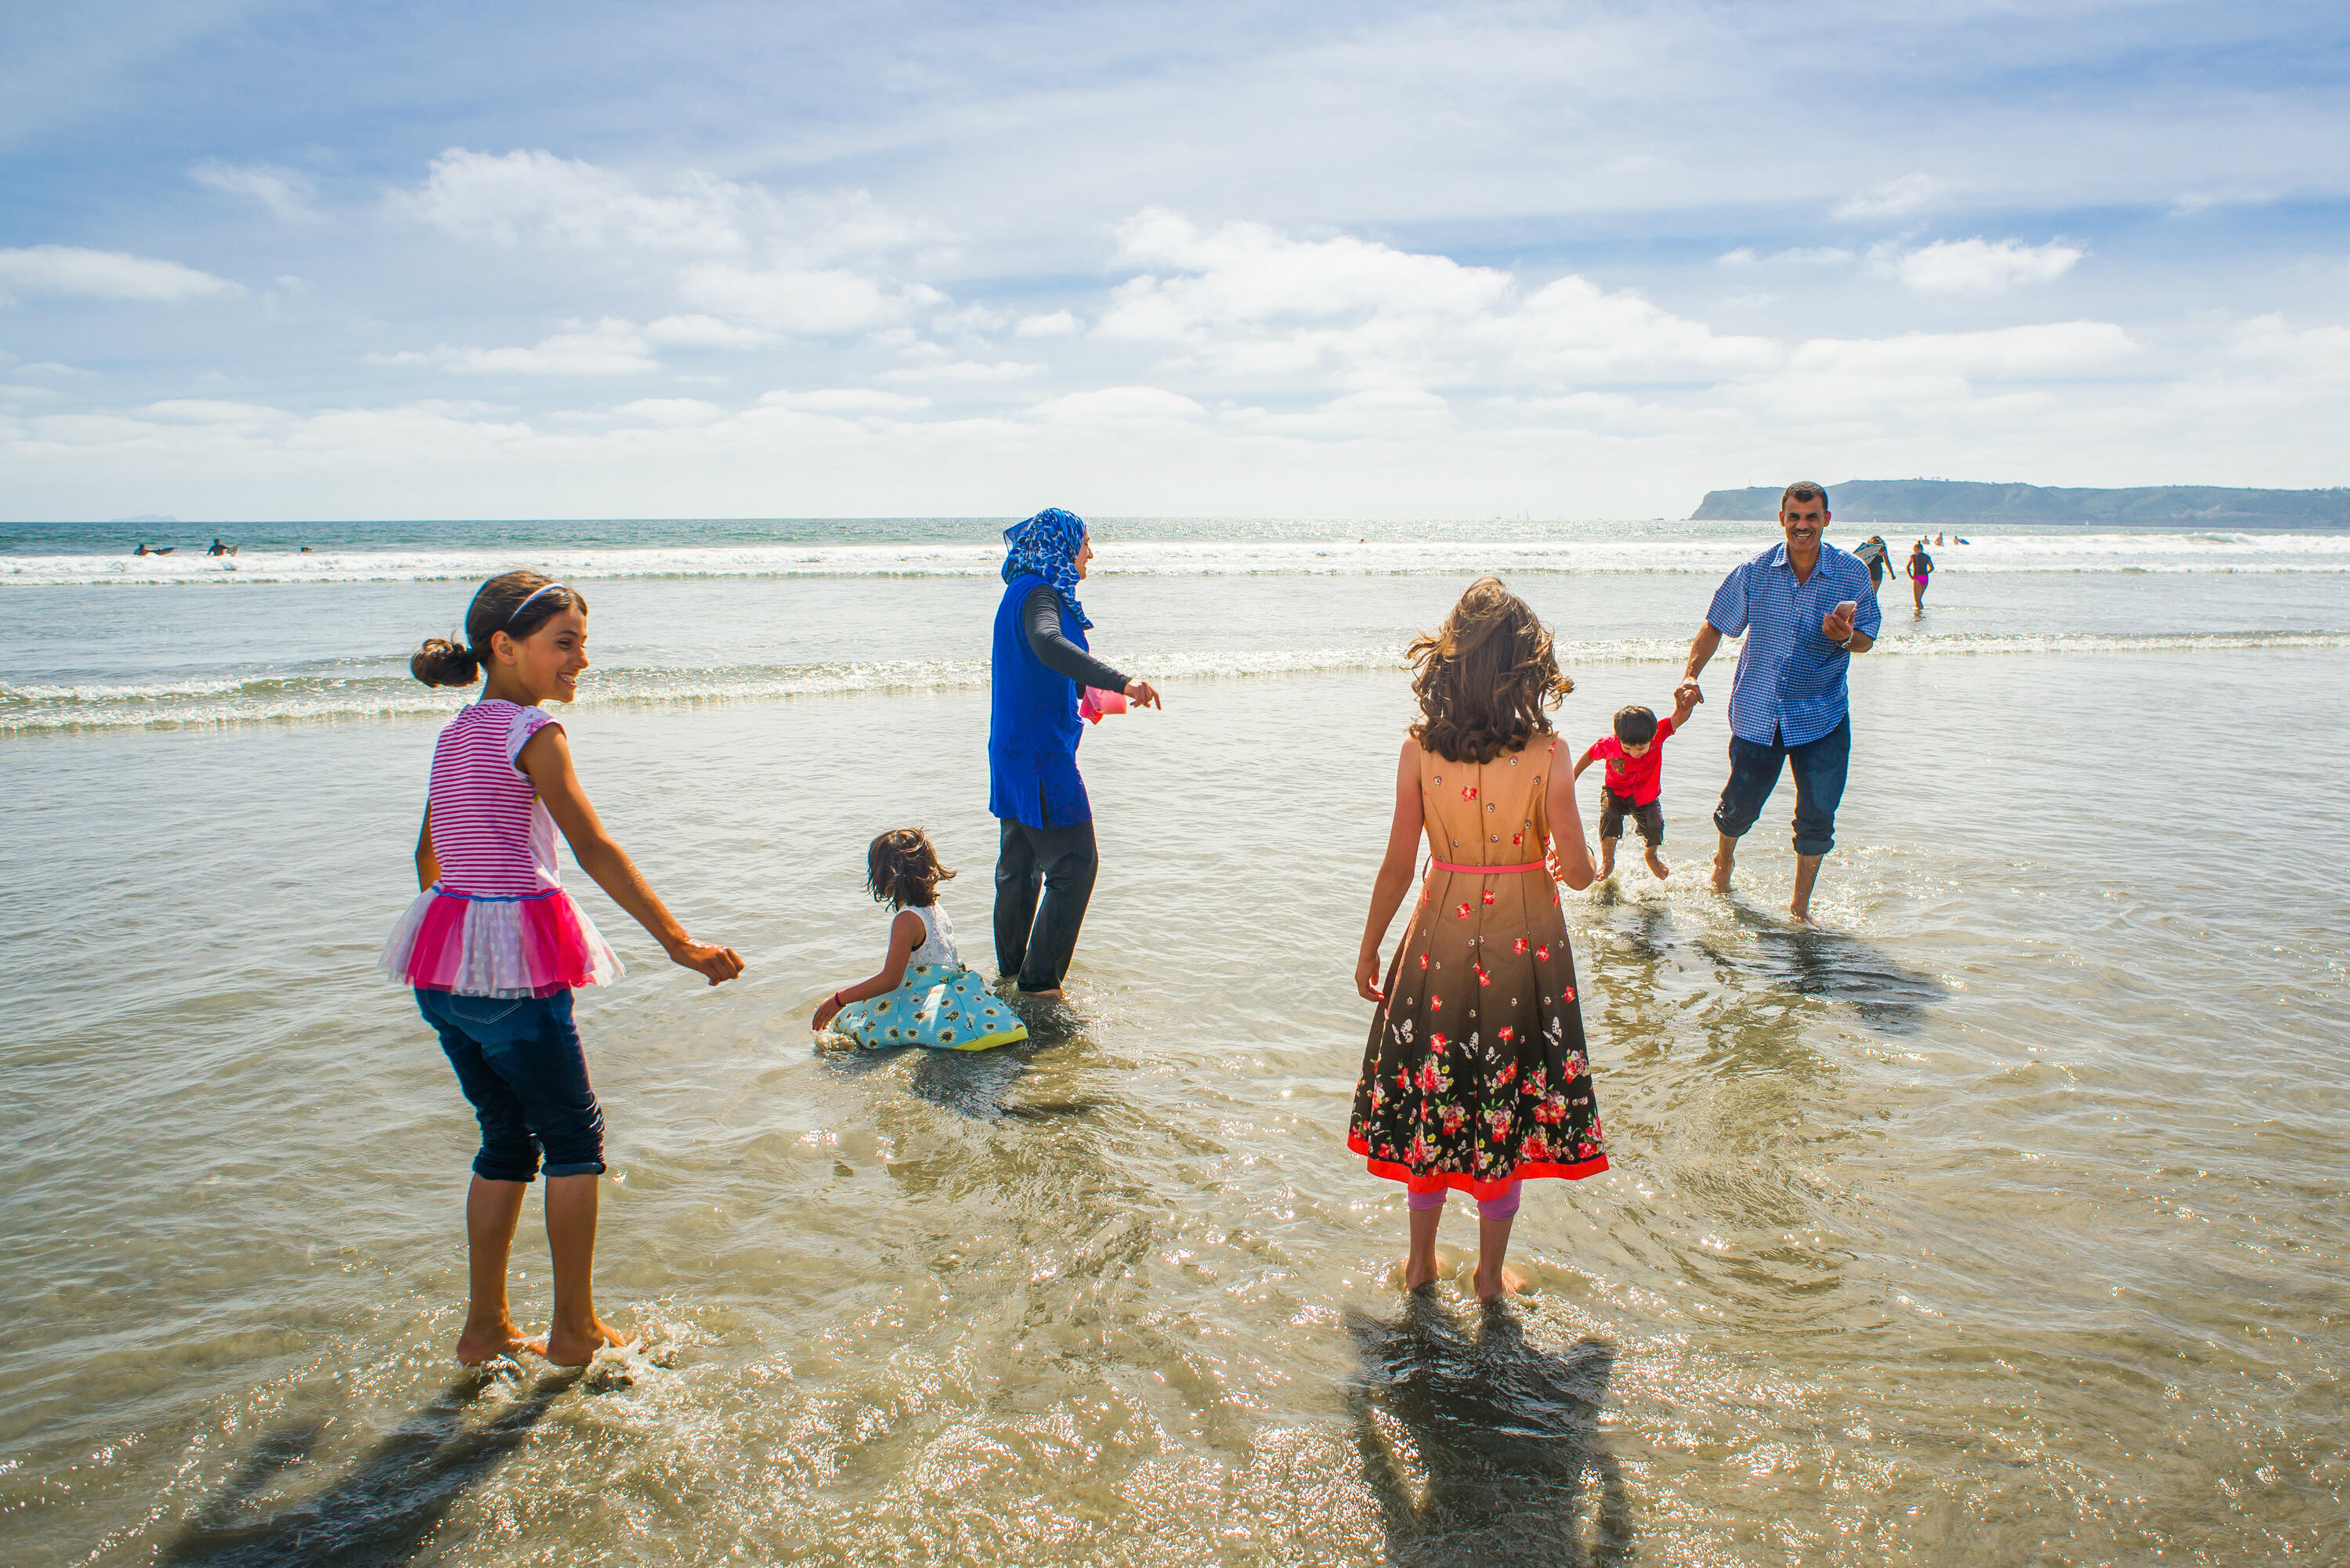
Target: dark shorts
point(1614, 808)
point(1819, 766)
point(520, 1062)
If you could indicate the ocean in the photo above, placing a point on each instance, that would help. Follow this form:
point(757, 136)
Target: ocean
point(2002, 1221)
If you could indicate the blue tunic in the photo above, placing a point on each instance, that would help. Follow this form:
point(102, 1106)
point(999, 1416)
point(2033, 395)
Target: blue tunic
point(1032, 725)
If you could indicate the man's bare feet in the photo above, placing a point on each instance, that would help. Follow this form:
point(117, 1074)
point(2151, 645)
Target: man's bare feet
point(1721, 876)
point(1656, 865)
point(481, 1344)
point(1606, 859)
point(1802, 915)
point(577, 1347)
point(1490, 1289)
point(1418, 1272)
point(1053, 995)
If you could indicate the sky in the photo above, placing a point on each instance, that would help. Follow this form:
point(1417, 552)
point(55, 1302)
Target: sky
point(269, 260)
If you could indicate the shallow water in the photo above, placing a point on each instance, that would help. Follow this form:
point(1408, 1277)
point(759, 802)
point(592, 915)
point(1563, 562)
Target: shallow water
point(2003, 1221)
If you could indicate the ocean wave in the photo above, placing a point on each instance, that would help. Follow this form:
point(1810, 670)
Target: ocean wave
point(387, 691)
point(2156, 552)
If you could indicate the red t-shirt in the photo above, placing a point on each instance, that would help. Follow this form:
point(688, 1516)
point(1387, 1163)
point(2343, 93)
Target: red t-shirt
point(1638, 777)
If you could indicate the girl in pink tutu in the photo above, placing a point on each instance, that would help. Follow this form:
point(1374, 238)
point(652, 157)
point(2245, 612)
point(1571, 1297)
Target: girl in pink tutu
point(494, 946)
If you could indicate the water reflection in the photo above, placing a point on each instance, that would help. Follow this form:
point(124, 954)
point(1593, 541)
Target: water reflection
point(1484, 1447)
point(385, 1509)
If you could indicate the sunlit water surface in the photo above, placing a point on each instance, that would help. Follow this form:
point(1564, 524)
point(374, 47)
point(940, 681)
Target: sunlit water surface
point(2003, 1221)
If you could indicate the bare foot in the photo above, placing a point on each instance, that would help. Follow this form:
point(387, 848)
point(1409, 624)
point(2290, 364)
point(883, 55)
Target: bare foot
point(1416, 1274)
point(481, 1344)
point(1720, 877)
point(1802, 915)
point(1508, 1284)
point(1657, 864)
point(570, 1347)
point(1052, 995)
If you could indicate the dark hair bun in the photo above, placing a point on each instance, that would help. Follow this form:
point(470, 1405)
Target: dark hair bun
point(441, 662)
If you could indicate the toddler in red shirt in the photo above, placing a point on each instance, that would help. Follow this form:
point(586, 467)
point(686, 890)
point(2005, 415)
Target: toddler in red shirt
point(1635, 756)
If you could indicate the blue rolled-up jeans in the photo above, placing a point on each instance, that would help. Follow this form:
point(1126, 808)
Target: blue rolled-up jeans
point(1819, 766)
point(522, 1069)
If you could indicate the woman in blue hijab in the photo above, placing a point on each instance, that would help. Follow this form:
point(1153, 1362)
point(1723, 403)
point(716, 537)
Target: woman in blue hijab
point(1045, 866)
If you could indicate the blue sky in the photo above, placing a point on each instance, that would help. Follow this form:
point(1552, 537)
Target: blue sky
point(294, 260)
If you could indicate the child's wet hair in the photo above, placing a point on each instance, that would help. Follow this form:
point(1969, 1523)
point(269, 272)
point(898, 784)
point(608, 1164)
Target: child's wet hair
point(902, 869)
point(1635, 725)
point(441, 663)
point(1484, 677)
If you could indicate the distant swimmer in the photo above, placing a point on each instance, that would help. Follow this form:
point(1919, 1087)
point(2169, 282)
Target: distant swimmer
point(219, 549)
point(1920, 567)
point(143, 550)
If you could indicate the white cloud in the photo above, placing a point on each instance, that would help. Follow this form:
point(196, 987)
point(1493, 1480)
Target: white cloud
point(106, 274)
point(1893, 199)
point(2319, 352)
point(845, 401)
point(214, 411)
point(2055, 349)
point(1806, 256)
point(706, 332)
point(530, 194)
point(813, 304)
point(1052, 324)
point(608, 347)
point(970, 372)
point(1247, 301)
point(1133, 409)
point(1976, 266)
point(670, 411)
point(284, 191)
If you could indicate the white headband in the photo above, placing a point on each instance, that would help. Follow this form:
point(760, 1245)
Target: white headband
point(543, 587)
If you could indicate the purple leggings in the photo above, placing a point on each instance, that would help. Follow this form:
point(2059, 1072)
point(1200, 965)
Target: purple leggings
point(1502, 1208)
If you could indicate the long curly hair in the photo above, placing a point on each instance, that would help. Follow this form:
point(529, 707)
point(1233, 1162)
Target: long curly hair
point(1484, 677)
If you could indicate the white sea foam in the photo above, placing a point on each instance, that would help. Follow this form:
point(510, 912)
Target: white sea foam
point(2150, 552)
point(382, 692)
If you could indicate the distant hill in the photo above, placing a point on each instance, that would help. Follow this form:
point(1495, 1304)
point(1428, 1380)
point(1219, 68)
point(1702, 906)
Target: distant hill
point(167, 517)
point(1948, 502)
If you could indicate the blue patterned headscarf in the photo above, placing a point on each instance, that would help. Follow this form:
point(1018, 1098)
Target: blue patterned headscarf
point(1046, 545)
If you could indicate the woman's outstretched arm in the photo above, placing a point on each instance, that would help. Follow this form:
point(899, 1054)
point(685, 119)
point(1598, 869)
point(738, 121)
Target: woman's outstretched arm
point(1040, 620)
point(547, 758)
point(1394, 879)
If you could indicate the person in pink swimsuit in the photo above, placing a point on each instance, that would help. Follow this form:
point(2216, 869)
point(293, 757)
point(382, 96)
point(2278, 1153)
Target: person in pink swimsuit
point(493, 946)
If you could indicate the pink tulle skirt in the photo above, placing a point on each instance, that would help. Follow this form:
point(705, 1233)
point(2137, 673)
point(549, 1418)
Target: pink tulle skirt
point(497, 947)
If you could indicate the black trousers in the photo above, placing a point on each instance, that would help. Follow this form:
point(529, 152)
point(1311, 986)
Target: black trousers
point(1034, 937)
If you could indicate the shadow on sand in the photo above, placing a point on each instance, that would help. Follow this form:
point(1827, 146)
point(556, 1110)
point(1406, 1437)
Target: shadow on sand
point(385, 1509)
point(1484, 1449)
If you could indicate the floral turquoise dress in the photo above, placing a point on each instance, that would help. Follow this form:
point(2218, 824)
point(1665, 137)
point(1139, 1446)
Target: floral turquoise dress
point(939, 1004)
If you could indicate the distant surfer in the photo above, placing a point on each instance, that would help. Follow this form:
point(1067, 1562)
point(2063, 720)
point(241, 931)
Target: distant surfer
point(1920, 567)
point(143, 550)
point(1878, 556)
point(219, 549)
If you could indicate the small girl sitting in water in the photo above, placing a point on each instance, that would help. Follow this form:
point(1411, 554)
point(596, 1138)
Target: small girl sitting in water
point(1475, 1074)
point(922, 994)
point(493, 946)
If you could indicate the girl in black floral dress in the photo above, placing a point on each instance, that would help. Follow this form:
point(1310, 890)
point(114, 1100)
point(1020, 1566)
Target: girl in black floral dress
point(1475, 1076)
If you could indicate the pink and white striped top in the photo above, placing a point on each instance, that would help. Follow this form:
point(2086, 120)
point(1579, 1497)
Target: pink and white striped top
point(490, 832)
point(498, 923)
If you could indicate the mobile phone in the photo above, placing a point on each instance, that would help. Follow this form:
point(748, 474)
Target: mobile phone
point(1849, 608)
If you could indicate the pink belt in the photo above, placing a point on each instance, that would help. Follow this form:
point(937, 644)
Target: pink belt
point(1492, 871)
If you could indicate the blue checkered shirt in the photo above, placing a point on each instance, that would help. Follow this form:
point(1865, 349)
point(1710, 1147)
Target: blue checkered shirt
point(1789, 688)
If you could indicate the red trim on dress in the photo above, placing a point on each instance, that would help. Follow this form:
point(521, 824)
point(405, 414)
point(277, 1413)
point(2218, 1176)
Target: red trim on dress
point(1469, 1184)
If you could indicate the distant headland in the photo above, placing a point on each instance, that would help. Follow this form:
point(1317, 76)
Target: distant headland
point(1948, 502)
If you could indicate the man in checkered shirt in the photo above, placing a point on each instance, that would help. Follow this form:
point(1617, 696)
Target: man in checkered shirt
point(1804, 608)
